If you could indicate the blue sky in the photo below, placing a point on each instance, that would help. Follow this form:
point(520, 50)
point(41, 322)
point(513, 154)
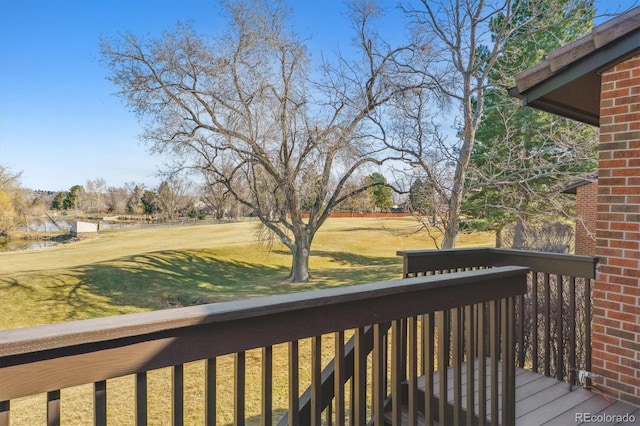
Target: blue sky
point(60, 123)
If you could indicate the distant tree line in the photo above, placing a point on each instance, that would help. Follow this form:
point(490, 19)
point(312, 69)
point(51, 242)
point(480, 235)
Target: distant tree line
point(175, 197)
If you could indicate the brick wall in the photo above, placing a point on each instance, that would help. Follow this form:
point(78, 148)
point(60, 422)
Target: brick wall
point(586, 201)
point(616, 294)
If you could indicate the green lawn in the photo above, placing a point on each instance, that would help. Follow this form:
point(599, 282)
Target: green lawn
point(137, 270)
point(140, 270)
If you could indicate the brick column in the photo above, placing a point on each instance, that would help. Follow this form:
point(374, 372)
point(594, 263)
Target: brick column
point(616, 294)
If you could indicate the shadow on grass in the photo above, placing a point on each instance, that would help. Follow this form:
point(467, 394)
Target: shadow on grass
point(180, 278)
point(355, 259)
point(167, 279)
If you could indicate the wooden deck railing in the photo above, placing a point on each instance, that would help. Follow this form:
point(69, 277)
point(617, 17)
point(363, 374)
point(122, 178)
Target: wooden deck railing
point(553, 319)
point(393, 326)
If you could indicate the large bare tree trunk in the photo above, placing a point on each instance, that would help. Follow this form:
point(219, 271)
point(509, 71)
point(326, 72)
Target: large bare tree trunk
point(300, 263)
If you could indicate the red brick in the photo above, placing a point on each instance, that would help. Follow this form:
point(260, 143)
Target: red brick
point(631, 309)
point(618, 368)
point(626, 136)
point(635, 328)
point(628, 170)
point(628, 82)
point(608, 286)
point(616, 93)
point(633, 62)
point(631, 245)
point(625, 226)
point(611, 164)
point(627, 118)
point(630, 153)
point(614, 128)
point(626, 100)
point(605, 356)
point(618, 74)
point(608, 322)
point(617, 297)
point(609, 253)
point(631, 290)
point(625, 281)
point(625, 190)
point(621, 316)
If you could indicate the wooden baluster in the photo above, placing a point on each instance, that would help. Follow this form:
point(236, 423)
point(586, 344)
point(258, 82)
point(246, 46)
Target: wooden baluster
point(100, 403)
point(141, 399)
point(521, 333)
point(267, 386)
point(471, 360)
point(177, 403)
point(379, 372)
point(316, 380)
point(456, 324)
point(547, 326)
point(428, 332)
point(53, 408)
point(5, 411)
point(559, 329)
point(443, 364)
point(412, 370)
point(210, 391)
point(239, 388)
point(587, 323)
point(534, 322)
point(359, 382)
point(507, 333)
point(339, 378)
point(494, 355)
point(482, 365)
point(572, 331)
point(398, 370)
point(294, 394)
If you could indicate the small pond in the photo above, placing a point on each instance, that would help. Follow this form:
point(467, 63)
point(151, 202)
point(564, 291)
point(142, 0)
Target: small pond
point(12, 245)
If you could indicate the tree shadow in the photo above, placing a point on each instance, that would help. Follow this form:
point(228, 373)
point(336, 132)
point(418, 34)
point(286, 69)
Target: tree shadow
point(180, 278)
point(350, 258)
point(167, 279)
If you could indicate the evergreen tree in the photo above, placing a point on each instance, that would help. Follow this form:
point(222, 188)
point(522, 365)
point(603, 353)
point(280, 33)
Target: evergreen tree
point(380, 191)
point(522, 155)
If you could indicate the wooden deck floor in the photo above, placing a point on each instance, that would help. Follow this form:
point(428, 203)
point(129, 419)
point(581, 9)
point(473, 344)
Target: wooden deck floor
point(542, 400)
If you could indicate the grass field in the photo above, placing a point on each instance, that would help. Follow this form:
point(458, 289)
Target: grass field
point(147, 269)
point(139, 270)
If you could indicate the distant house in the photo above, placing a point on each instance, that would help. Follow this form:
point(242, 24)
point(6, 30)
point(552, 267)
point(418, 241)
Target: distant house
point(586, 192)
point(83, 228)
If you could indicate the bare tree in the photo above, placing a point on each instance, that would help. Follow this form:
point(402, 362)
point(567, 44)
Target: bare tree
point(116, 200)
point(174, 196)
point(13, 200)
point(94, 199)
point(466, 40)
point(240, 109)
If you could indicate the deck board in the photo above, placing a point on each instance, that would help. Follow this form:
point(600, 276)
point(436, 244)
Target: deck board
point(544, 400)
